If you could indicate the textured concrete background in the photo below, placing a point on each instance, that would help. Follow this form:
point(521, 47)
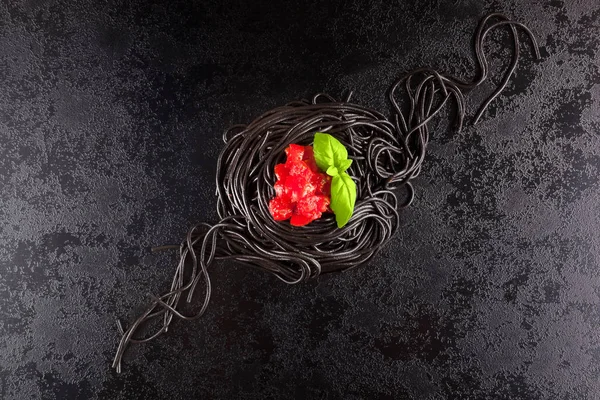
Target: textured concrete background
point(110, 125)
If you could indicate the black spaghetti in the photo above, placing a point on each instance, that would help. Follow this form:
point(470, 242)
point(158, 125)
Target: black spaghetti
point(387, 154)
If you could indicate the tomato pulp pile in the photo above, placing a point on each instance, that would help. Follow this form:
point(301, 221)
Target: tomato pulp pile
point(302, 190)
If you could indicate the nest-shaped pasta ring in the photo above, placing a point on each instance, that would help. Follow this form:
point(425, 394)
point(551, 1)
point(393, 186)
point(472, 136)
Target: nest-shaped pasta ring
point(387, 154)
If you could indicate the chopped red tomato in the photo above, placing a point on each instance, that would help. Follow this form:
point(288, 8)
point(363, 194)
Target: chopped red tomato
point(281, 171)
point(309, 159)
point(322, 184)
point(302, 191)
point(297, 187)
point(299, 168)
point(280, 189)
point(281, 209)
point(300, 220)
point(312, 206)
point(294, 153)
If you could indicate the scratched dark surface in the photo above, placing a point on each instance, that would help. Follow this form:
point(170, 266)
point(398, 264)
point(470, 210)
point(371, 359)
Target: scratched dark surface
point(110, 125)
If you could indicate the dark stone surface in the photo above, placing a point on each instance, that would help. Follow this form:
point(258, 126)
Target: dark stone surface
point(110, 124)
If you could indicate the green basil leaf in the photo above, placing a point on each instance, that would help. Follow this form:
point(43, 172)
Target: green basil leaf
point(332, 171)
point(344, 165)
point(343, 198)
point(328, 151)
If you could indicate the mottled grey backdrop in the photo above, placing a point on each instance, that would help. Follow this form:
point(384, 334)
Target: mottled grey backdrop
point(111, 115)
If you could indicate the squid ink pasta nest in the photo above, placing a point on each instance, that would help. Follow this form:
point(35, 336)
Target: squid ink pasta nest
point(387, 154)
